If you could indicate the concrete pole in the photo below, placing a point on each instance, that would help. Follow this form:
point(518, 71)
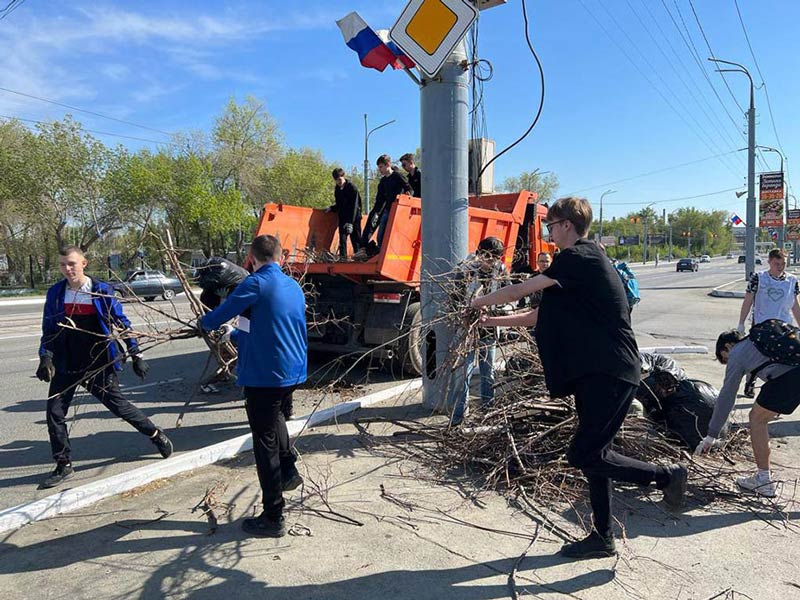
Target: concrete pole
point(670, 242)
point(444, 122)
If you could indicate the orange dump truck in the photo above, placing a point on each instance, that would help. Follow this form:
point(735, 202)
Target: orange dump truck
point(371, 305)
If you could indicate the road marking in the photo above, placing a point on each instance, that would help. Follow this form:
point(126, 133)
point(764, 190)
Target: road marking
point(84, 495)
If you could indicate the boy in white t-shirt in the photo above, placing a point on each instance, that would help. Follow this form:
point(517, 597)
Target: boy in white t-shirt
point(771, 294)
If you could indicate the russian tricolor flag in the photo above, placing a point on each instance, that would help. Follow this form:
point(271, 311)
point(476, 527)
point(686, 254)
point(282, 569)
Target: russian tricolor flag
point(373, 51)
point(736, 220)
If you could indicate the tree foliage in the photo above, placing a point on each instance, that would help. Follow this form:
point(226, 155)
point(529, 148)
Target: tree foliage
point(545, 186)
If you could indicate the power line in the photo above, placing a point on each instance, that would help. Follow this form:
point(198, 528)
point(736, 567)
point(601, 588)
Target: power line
point(709, 114)
point(758, 69)
point(708, 44)
point(108, 133)
point(674, 199)
point(88, 112)
point(648, 173)
point(656, 88)
point(10, 8)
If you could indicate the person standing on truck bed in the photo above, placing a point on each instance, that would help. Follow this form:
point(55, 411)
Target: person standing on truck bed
point(272, 342)
point(414, 174)
point(392, 184)
point(347, 205)
point(588, 350)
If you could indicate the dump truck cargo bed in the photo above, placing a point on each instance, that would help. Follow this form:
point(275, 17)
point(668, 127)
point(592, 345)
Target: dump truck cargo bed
point(310, 236)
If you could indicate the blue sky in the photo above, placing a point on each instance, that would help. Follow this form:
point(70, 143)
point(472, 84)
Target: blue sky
point(623, 96)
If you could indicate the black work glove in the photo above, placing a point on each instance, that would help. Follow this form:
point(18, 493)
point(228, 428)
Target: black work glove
point(347, 228)
point(46, 370)
point(140, 366)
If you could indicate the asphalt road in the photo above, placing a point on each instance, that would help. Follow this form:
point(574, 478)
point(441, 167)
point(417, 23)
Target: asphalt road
point(675, 310)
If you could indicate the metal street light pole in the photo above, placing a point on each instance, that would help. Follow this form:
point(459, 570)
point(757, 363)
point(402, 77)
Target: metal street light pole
point(367, 133)
point(603, 195)
point(750, 229)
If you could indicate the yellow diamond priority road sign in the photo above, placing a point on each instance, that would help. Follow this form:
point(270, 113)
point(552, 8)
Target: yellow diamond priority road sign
point(429, 30)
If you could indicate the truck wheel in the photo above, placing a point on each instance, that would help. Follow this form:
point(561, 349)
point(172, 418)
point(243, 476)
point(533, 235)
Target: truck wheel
point(410, 348)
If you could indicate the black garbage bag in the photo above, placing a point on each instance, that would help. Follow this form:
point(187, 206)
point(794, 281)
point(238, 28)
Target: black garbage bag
point(687, 411)
point(217, 278)
point(660, 377)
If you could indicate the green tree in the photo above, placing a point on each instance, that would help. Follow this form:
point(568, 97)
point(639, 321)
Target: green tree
point(300, 177)
point(545, 186)
point(245, 142)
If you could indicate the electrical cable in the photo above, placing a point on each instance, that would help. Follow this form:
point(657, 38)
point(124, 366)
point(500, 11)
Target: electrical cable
point(680, 115)
point(117, 135)
point(673, 199)
point(88, 112)
point(541, 97)
point(698, 98)
point(648, 173)
point(763, 82)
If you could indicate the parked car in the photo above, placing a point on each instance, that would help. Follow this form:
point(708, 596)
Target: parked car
point(705, 258)
point(687, 264)
point(147, 285)
point(729, 255)
point(743, 259)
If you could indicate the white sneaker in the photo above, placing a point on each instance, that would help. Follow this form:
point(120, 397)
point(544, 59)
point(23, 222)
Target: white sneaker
point(758, 485)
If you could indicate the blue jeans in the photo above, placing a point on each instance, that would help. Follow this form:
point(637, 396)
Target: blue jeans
point(459, 391)
point(384, 219)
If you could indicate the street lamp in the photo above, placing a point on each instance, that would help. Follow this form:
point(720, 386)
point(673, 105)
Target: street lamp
point(750, 226)
point(367, 133)
point(603, 195)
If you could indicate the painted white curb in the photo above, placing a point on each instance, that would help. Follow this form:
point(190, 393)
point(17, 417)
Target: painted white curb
point(73, 499)
point(676, 350)
point(22, 301)
point(718, 292)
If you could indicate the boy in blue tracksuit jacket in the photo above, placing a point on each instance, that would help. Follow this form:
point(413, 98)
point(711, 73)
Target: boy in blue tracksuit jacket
point(83, 354)
point(272, 342)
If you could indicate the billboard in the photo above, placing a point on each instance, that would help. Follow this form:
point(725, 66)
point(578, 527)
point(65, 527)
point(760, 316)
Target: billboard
point(629, 240)
point(656, 239)
point(793, 224)
point(770, 199)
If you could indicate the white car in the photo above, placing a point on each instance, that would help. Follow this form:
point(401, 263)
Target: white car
point(705, 258)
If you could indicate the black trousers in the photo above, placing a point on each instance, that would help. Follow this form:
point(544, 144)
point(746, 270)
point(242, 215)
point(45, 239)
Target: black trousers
point(105, 387)
point(602, 403)
point(355, 238)
point(275, 458)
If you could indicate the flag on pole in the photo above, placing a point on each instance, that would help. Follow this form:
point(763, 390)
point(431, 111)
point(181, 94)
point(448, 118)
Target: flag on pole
point(402, 60)
point(736, 220)
point(372, 51)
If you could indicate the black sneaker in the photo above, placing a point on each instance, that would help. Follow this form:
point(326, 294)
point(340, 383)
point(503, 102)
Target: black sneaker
point(675, 489)
point(749, 391)
point(62, 472)
point(592, 546)
point(292, 480)
point(261, 526)
point(163, 443)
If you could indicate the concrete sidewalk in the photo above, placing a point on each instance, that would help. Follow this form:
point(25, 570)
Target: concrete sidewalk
point(370, 523)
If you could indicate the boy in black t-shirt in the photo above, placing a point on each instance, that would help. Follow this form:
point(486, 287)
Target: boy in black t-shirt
point(588, 350)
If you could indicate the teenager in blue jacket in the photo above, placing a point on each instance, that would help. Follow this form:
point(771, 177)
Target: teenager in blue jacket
point(272, 342)
point(83, 354)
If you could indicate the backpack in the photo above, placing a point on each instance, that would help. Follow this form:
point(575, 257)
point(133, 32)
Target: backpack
point(778, 341)
point(629, 283)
